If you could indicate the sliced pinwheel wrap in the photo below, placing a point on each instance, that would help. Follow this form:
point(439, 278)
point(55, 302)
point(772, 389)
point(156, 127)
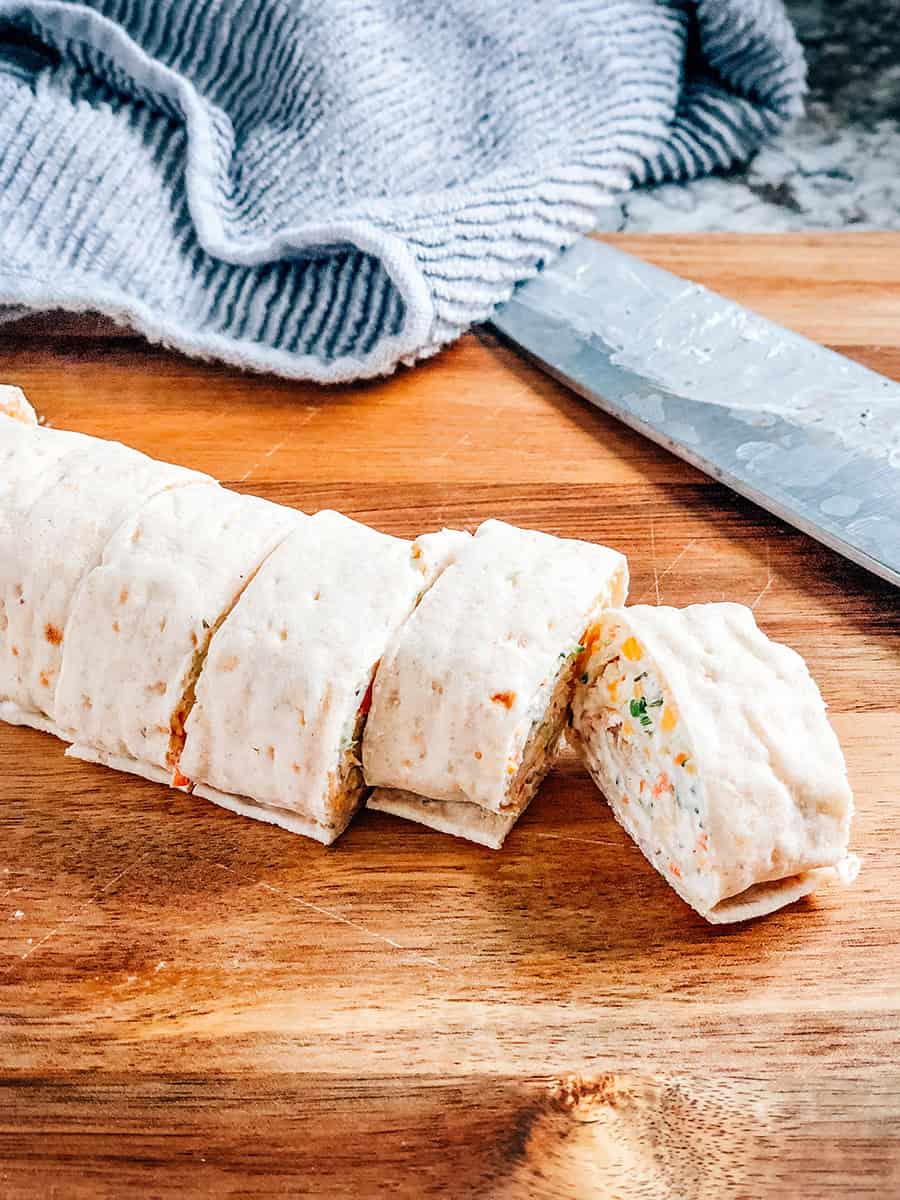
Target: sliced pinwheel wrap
point(62, 497)
point(143, 619)
point(712, 746)
point(283, 697)
point(472, 695)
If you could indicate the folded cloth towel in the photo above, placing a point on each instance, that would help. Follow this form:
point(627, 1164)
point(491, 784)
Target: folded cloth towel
point(326, 188)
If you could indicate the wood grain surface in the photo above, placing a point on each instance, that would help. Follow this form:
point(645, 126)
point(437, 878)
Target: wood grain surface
point(196, 1004)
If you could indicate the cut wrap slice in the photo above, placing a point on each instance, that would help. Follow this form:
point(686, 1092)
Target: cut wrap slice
point(274, 732)
point(62, 496)
point(472, 696)
point(143, 619)
point(713, 749)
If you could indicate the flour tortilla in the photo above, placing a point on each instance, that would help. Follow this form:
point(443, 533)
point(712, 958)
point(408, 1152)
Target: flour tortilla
point(475, 671)
point(270, 814)
point(765, 898)
point(119, 762)
point(14, 405)
point(468, 821)
point(284, 689)
point(143, 618)
point(62, 496)
point(713, 749)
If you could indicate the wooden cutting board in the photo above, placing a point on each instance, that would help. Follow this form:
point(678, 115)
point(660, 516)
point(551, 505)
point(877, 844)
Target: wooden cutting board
point(196, 1004)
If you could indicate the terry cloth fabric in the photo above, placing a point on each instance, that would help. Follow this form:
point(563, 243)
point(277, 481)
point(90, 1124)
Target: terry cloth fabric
point(325, 188)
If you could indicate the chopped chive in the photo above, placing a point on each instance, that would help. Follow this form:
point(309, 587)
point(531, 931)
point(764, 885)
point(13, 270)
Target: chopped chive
point(584, 677)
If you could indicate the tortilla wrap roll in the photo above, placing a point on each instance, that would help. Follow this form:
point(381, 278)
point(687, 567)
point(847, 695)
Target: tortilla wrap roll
point(142, 622)
point(280, 705)
point(62, 496)
point(712, 746)
point(472, 696)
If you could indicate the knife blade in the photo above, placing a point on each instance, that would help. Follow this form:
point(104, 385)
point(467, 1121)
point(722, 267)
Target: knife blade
point(800, 430)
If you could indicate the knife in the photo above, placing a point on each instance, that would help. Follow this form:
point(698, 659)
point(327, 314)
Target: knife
point(802, 431)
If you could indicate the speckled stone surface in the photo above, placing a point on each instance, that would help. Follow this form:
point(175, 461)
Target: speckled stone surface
point(838, 167)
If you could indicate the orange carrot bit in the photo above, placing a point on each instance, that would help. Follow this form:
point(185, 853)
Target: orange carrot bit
point(179, 780)
point(642, 785)
point(366, 703)
point(681, 759)
point(631, 648)
point(507, 699)
point(703, 841)
point(675, 870)
point(590, 639)
point(662, 785)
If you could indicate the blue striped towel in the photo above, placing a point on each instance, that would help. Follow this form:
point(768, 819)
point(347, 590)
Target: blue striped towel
point(327, 188)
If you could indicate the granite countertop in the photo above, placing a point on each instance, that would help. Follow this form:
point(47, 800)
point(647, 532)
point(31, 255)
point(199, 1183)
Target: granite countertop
point(838, 167)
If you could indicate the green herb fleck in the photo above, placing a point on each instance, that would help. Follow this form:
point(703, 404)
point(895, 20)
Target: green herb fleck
point(579, 649)
point(584, 677)
point(638, 709)
point(656, 703)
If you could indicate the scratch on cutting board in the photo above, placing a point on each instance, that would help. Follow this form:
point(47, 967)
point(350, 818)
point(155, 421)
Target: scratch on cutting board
point(457, 445)
point(268, 454)
point(653, 559)
point(327, 912)
point(380, 937)
point(671, 567)
point(71, 917)
point(770, 579)
point(562, 837)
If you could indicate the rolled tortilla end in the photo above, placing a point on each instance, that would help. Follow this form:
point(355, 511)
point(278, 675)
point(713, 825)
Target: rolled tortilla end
point(763, 898)
point(287, 819)
point(712, 747)
point(119, 762)
point(455, 817)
